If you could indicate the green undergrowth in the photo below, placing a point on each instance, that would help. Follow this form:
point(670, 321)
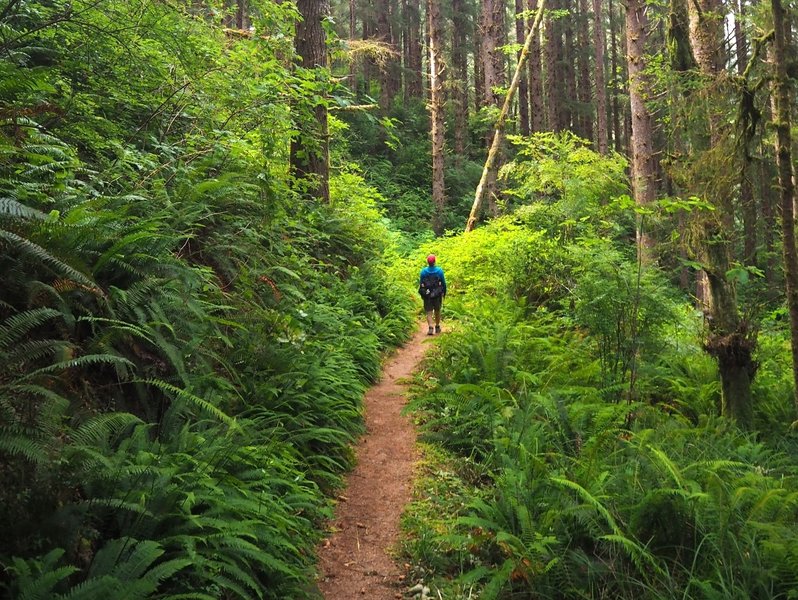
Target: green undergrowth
point(572, 448)
point(184, 341)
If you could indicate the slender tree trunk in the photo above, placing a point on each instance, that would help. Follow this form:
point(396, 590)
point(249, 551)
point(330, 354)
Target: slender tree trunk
point(644, 166)
point(616, 113)
point(352, 34)
point(747, 200)
point(479, 76)
point(601, 90)
point(537, 110)
point(310, 148)
point(523, 88)
point(569, 117)
point(585, 92)
point(385, 35)
point(437, 111)
point(781, 95)
point(460, 30)
point(413, 66)
point(368, 30)
point(492, 161)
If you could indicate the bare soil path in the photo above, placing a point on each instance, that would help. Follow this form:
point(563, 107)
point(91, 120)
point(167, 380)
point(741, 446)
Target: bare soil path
point(355, 560)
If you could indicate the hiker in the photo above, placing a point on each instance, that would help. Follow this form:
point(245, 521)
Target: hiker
point(432, 288)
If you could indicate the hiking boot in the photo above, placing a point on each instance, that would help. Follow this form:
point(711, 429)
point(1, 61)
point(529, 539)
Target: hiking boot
point(437, 329)
point(429, 332)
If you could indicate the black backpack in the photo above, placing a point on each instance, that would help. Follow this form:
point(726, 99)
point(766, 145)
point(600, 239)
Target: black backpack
point(431, 286)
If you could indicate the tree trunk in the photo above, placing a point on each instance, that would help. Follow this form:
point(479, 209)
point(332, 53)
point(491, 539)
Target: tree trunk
point(644, 166)
point(310, 147)
point(601, 90)
point(781, 95)
point(730, 339)
point(584, 90)
point(569, 116)
point(388, 65)
point(492, 39)
point(413, 67)
point(553, 85)
point(492, 161)
point(616, 112)
point(747, 200)
point(460, 32)
point(368, 29)
point(523, 88)
point(536, 108)
point(479, 77)
point(437, 111)
point(352, 34)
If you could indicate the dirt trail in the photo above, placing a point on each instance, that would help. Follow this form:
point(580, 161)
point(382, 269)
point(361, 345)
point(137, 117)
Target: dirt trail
point(354, 561)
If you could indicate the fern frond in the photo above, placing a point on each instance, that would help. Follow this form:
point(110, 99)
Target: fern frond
point(21, 324)
point(13, 208)
point(192, 400)
point(37, 252)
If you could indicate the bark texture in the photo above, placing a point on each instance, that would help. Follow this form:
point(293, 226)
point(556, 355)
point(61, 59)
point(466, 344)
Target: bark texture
point(602, 139)
point(310, 148)
point(730, 339)
point(535, 77)
point(781, 95)
point(437, 112)
point(644, 166)
point(523, 88)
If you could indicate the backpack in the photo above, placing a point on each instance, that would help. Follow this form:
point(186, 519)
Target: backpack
point(431, 286)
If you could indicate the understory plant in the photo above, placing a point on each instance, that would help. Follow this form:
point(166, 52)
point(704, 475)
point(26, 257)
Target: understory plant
point(184, 340)
point(571, 413)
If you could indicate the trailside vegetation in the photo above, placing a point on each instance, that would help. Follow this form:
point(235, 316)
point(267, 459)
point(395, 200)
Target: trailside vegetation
point(570, 417)
point(184, 339)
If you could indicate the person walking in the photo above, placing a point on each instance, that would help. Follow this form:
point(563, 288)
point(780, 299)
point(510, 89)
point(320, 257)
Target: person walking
point(432, 288)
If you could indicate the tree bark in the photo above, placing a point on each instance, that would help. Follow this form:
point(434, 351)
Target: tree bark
point(523, 88)
point(730, 339)
point(747, 200)
point(437, 112)
point(584, 90)
point(479, 77)
point(310, 147)
point(460, 30)
point(569, 115)
point(491, 162)
point(553, 85)
point(536, 107)
point(492, 38)
point(644, 166)
point(616, 113)
point(602, 139)
point(413, 67)
point(781, 95)
point(388, 65)
point(352, 34)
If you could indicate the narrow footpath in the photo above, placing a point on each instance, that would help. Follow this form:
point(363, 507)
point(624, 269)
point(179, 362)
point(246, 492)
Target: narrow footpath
point(355, 560)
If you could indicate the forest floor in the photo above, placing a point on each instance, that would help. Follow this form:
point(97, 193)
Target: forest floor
point(355, 561)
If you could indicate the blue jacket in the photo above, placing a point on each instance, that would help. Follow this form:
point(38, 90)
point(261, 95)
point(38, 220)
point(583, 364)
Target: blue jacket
point(433, 271)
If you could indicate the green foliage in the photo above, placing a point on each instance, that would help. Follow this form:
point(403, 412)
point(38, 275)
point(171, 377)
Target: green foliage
point(184, 343)
point(571, 410)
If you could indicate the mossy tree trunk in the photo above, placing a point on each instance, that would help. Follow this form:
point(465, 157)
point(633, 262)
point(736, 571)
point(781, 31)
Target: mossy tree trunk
point(730, 338)
point(310, 147)
point(781, 122)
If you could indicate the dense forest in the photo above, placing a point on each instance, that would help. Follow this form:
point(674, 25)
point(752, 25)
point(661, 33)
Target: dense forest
point(212, 219)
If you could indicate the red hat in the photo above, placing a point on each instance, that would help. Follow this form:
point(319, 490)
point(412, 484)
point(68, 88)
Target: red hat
point(431, 259)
